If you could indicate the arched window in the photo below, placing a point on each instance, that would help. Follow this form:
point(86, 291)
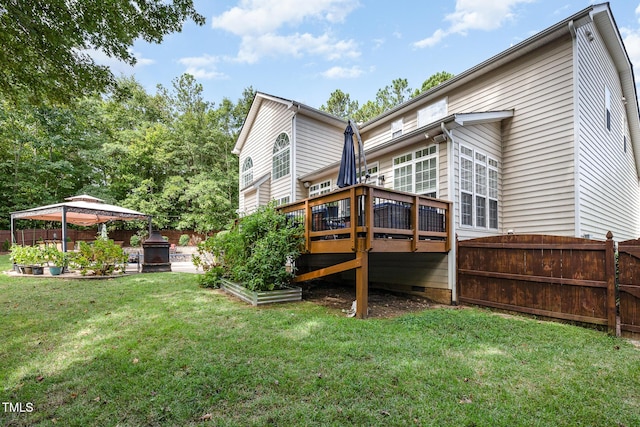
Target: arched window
point(281, 156)
point(247, 172)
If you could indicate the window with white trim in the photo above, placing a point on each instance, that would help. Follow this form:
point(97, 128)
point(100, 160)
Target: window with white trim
point(417, 172)
point(282, 200)
point(320, 188)
point(372, 171)
point(281, 156)
point(396, 128)
point(478, 189)
point(247, 172)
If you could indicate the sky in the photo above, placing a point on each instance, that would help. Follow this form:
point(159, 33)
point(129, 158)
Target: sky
point(306, 49)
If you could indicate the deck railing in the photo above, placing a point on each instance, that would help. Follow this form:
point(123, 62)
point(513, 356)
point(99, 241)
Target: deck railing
point(387, 220)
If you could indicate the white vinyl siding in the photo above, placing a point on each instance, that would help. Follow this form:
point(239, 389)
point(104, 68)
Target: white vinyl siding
point(608, 193)
point(270, 122)
point(535, 147)
point(317, 145)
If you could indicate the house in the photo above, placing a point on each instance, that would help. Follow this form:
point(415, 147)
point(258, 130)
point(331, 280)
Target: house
point(541, 138)
point(280, 140)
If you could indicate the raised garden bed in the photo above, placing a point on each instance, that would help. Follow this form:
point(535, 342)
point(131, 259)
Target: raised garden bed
point(261, 297)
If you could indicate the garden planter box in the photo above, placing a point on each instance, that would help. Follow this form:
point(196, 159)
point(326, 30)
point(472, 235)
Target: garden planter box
point(261, 297)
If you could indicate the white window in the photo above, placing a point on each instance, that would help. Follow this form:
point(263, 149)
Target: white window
point(281, 156)
point(432, 112)
point(320, 188)
point(247, 172)
point(478, 189)
point(372, 171)
point(396, 128)
point(417, 172)
point(282, 200)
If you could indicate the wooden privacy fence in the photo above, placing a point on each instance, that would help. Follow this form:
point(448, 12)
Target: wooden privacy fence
point(629, 286)
point(553, 276)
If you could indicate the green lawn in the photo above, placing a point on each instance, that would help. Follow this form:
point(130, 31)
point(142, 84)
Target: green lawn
point(155, 349)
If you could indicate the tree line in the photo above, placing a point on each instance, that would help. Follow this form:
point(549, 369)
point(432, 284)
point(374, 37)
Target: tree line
point(166, 154)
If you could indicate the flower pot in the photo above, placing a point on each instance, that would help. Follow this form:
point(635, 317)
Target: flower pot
point(26, 269)
point(37, 270)
point(55, 271)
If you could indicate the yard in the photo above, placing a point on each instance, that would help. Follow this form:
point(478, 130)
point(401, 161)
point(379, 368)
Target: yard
point(156, 349)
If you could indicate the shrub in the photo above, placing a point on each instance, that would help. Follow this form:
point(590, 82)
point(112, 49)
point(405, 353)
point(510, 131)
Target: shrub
point(135, 240)
point(103, 257)
point(254, 251)
point(184, 240)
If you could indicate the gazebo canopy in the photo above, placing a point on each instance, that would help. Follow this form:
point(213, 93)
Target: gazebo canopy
point(80, 210)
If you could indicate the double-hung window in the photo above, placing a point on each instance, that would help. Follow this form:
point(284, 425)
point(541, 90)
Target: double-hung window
point(478, 189)
point(396, 128)
point(417, 172)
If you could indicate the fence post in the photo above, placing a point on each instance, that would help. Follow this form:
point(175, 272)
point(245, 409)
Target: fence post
point(610, 274)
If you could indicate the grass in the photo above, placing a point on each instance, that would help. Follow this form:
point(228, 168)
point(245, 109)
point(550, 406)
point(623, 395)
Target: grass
point(155, 349)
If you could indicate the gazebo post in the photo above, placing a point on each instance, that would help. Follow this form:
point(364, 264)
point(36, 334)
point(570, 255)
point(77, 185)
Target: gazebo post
point(64, 229)
point(13, 237)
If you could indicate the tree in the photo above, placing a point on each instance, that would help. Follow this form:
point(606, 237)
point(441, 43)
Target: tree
point(45, 43)
point(433, 81)
point(340, 105)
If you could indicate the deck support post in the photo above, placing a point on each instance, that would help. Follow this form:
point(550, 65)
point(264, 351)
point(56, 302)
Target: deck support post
point(362, 280)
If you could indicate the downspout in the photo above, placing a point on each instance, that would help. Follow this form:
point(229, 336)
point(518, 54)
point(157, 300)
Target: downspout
point(576, 131)
point(451, 261)
point(294, 175)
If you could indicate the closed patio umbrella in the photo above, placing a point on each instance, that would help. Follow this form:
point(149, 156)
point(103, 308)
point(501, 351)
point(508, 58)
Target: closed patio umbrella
point(347, 174)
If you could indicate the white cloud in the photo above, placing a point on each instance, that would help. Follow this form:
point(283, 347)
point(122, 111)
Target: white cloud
point(202, 67)
point(267, 28)
point(438, 35)
point(253, 49)
point(473, 15)
point(342, 73)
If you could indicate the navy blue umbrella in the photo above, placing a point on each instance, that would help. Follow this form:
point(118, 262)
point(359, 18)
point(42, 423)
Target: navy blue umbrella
point(347, 174)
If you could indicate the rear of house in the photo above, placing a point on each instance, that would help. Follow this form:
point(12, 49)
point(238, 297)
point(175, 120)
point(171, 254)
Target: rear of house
point(542, 138)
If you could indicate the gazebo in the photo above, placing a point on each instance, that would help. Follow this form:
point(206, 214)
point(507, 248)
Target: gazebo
point(82, 210)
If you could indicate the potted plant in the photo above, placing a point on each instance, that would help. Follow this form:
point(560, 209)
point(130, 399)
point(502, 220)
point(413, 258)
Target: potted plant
point(19, 257)
point(38, 258)
point(58, 260)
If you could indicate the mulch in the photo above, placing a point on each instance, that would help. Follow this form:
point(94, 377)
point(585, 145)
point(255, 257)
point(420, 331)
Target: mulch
point(382, 303)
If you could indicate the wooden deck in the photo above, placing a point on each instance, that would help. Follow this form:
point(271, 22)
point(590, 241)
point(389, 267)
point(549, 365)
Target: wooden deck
point(362, 219)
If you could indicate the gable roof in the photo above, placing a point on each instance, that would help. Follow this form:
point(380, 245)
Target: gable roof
point(599, 14)
point(291, 105)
